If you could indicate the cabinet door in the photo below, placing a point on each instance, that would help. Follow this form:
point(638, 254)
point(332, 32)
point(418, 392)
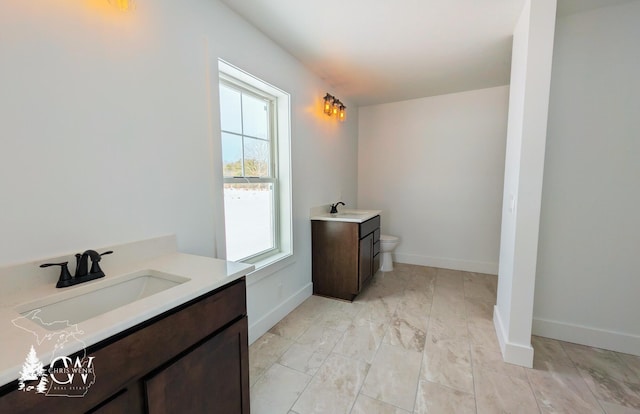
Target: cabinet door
point(366, 260)
point(125, 401)
point(335, 259)
point(212, 378)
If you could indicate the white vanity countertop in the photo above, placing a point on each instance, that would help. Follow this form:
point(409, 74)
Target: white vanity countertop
point(348, 215)
point(18, 333)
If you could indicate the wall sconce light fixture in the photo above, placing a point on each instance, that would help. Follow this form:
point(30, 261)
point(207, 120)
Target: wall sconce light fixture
point(333, 107)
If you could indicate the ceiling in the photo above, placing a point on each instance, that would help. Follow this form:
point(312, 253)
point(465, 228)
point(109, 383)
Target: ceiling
point(377, 51)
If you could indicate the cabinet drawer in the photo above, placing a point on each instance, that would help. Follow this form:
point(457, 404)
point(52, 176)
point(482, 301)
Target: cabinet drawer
point(369, 226)
point(376, 248)
point(376, 235)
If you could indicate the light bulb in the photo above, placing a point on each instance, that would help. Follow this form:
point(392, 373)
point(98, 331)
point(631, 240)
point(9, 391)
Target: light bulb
point(328, 104)
point(123, 4)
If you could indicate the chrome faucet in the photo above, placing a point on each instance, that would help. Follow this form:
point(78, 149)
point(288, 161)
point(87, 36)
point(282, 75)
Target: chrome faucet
point(83, 274)
point(334, 207)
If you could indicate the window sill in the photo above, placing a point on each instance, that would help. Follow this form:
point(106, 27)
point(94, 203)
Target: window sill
point(269, 266)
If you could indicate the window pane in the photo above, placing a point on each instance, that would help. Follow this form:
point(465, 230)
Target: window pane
point(230, 115)
point(255, 116)
point(248, 211)
point(231, 155)
point(256, 157)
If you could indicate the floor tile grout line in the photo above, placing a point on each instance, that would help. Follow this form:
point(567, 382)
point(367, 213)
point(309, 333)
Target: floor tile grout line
point(274, 362)
point(424, 349)
point(369, 364)
point(304, 389)
point(533, 392)
point(342, 356)
point(623, 362)
point(471, 359)
point(449, 387)
point(387, 330)
point(277, 361)
point(318, 370)
point(573, 363)
point(387, 327)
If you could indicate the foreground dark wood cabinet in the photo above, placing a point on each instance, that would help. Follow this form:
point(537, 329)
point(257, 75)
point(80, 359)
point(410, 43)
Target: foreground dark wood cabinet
point(345, 256)
point(192, 359)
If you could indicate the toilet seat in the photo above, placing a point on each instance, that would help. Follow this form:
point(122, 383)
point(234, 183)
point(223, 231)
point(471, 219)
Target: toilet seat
point(387, 238)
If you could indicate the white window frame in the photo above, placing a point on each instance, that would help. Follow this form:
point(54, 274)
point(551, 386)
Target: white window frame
point(280, 176)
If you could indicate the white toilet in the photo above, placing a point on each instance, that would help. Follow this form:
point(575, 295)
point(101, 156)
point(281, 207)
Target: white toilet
point(387, 245)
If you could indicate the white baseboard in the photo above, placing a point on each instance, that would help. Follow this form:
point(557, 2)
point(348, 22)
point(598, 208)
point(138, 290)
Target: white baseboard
point(262, 325)
point(447, 263)
point(585, 335)
point(512, 353)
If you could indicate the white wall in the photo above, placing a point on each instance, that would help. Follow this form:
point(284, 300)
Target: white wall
point(435, 167)
point(524, 164)
point(588, 276)
point(108, 132)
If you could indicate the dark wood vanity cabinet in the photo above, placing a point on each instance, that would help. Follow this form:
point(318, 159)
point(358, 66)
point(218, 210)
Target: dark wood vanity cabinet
point(345, 256)
point(213, 374)
point(191, 359)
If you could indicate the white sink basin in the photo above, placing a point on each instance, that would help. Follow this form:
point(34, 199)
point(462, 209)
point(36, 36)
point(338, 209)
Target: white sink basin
point(86, 302)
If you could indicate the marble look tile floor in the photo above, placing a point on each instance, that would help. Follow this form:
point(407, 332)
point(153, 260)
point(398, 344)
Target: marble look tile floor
point(421, 340)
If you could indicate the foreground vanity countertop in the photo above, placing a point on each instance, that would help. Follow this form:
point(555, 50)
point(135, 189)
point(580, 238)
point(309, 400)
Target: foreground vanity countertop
point(19, 333)
point(348, 215)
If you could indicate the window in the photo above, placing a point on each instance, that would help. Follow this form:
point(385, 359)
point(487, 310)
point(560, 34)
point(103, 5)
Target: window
point(250, 179)
point(256, 185)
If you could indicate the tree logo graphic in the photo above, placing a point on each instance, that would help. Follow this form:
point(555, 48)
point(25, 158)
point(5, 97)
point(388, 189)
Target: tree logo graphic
point(33, 376)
